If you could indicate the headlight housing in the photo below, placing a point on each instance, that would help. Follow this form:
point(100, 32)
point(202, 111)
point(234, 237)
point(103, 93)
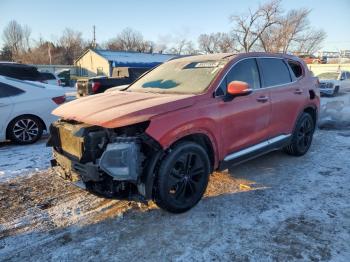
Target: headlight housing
point(121, 160)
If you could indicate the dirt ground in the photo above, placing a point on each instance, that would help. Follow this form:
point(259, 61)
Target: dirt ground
point(274, 208)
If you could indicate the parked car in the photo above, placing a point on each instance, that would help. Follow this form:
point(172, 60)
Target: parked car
point(311, 59)
point(100, 84)
point(20, 71)
point(50, 78)
point(26, 109)
point(162, 137)
point(332, 82)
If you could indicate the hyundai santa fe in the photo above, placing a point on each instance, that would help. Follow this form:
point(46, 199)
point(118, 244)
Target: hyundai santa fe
point(161, 137)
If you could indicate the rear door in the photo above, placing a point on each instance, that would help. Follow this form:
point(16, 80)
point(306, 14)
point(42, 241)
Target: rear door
point(287, 93)
point(245, 119)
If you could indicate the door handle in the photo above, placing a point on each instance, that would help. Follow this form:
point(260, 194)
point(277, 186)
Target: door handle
point(298, 91)
point(262, 99)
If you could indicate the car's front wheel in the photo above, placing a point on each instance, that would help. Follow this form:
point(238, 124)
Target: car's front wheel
point(25, 130)
point(182, 177)
point(302, 136)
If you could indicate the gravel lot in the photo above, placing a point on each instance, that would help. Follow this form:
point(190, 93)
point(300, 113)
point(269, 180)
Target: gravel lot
point(274, 208)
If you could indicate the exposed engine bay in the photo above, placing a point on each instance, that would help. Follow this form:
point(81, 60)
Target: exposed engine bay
point(108, 162)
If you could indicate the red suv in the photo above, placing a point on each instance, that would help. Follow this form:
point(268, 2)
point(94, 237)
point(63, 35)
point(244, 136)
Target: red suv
point(161, 137)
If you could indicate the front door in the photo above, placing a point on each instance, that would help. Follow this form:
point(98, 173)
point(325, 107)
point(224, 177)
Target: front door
point(245, 119)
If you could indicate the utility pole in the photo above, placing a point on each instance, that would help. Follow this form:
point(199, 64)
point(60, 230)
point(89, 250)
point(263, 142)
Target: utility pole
point(94, 37)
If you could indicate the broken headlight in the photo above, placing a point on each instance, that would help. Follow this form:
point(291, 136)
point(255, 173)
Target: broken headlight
point(121, 160)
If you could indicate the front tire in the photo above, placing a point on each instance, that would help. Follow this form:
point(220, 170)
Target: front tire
point(182, 177)
point(302, 136)
point(25, 130)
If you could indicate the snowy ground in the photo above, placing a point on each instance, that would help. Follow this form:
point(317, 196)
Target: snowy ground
point(274, 208)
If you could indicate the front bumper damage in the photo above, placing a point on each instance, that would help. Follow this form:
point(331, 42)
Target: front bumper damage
point(99, 160)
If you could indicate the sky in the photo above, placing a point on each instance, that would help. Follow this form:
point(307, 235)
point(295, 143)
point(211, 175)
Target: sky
point(161, 20)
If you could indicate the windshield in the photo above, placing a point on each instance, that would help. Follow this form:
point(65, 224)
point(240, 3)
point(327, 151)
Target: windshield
point(329, 75)
point(179, 77)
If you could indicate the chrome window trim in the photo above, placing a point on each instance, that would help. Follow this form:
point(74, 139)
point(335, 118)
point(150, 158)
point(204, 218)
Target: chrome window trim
point(261, 88)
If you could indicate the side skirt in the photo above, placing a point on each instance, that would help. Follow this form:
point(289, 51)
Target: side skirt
point(248, 153)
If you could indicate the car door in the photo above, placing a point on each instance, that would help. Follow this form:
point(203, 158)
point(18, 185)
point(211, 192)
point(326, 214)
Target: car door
point(244, 119)
point(6, 105)
point(287, 93)
point(345, 81)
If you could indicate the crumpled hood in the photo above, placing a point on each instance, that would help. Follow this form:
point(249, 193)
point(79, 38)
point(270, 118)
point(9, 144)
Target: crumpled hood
point(118, 108)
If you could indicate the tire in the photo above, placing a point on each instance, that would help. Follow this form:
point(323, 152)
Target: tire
point(182, 178)
point(302, 136)
point(336, 90)
point(24, 130)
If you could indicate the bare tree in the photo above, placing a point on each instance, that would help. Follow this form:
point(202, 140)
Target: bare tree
point(248, 28)
point(292, 34)
point(13, 37)
point(72, 45)
point(130, 40)
point(216, 43)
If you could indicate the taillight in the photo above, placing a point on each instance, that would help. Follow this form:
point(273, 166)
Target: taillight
point(59, 99)
point(95, 86)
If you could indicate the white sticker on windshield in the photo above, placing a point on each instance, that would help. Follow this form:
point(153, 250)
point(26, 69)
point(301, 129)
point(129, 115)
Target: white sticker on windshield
point(207, 64)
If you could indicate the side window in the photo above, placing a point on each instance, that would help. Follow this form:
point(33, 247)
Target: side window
point(296, 68)
point(246, 71)
point(7, 90)
point(274, 71)
point(347, 75)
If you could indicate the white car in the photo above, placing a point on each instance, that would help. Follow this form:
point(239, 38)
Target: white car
point(332, 82)
point(26, 109)
point(50, 78)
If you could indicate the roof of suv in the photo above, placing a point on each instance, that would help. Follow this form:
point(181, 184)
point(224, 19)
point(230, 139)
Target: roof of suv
point(230, 56)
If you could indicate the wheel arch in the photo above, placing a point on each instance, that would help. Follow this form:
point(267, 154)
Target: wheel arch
point(312, 110)
point(23, 115)
point(199, 138)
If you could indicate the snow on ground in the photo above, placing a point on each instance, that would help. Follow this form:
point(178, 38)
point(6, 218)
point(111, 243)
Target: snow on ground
point(19, 160)
point(273, 208)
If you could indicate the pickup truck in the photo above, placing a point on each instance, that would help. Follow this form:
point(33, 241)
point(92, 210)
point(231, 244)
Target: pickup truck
point(99, 84)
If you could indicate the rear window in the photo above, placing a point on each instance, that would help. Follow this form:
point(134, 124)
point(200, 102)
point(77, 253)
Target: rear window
point(47, 76)
point(275, 72)
point(8, 90)
point(296, 68)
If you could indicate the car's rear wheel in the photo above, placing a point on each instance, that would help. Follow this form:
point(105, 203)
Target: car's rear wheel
point(182, 177)
point(25, 130)
point(302, 136)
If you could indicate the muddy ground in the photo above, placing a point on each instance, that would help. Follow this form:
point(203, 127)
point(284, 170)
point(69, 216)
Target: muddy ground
point(274, 208)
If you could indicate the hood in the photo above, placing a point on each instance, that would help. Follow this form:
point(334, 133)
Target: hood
point(329, 81)
point(118, 108)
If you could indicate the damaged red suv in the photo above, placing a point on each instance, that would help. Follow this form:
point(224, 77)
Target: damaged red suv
point(161, 137)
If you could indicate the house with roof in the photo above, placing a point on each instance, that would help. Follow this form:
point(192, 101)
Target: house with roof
point(98, 62)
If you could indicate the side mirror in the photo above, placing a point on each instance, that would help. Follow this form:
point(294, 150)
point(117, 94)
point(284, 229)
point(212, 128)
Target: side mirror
point(238, 88)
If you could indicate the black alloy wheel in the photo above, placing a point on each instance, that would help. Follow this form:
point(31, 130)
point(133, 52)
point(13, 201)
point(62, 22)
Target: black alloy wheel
point(182, 178)
point(302, 136)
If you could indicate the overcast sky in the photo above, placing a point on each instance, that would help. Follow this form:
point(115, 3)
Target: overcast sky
point(161, 20)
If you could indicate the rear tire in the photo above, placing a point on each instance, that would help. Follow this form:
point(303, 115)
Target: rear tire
point(24, 130)
point(302, 136)
point(182, 178)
